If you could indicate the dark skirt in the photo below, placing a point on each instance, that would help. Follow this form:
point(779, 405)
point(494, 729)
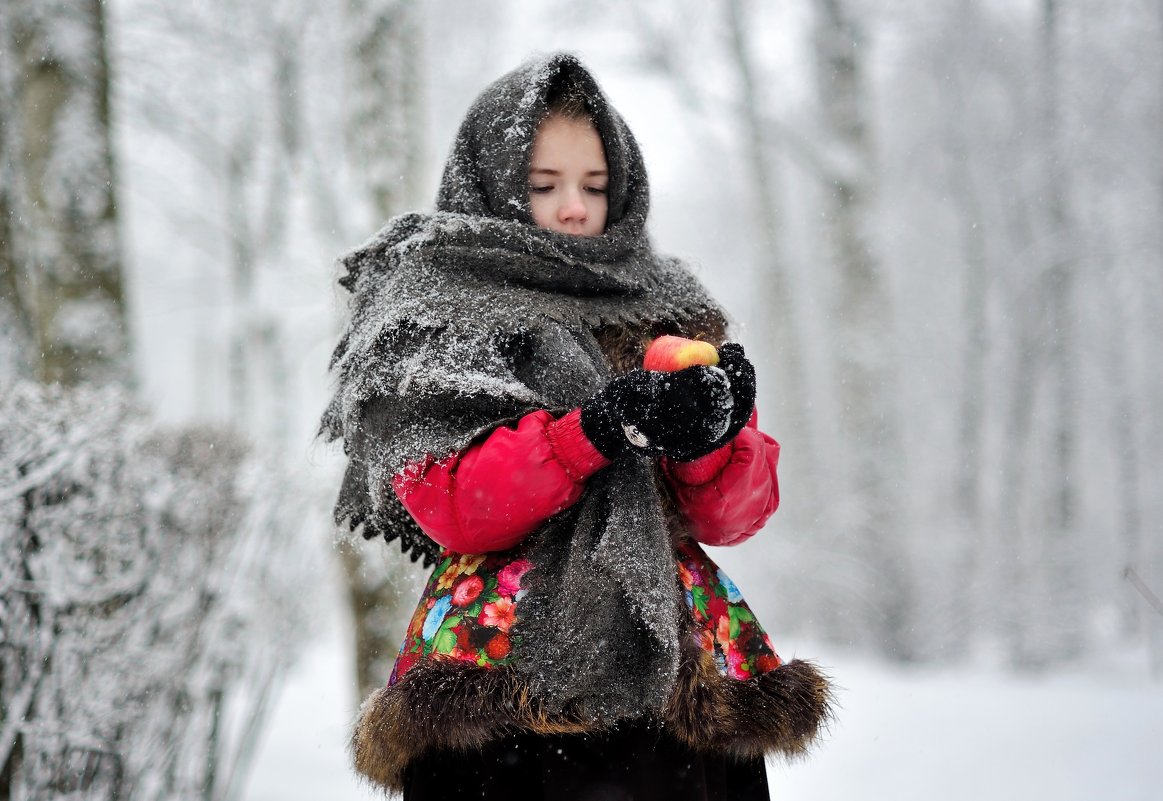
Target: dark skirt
point(637, 763)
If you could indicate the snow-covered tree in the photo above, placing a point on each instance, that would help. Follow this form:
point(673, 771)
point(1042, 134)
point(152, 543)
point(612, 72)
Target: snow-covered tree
point(148, 595)
point(60, 253)
point(149, 578)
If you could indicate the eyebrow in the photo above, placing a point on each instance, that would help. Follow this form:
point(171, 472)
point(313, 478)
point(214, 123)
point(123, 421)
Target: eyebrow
point(547, 171)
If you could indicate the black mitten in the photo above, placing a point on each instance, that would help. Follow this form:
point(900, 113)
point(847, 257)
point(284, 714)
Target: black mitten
point(741, 373)
point(682, 414)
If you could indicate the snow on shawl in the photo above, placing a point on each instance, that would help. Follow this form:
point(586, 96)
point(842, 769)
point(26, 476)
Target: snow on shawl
point(482, 274)
point(468, 318)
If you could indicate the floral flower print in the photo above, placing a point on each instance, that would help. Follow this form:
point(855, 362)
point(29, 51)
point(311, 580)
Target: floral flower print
point(456, 566)
point(717, 608)
point(436, 617)
point(725, 626)
point(733, 594)
point(738, 665)
point(403, 663)
point(509, 579)
point(723, 633)
point(469, 563)
point(498, 647)
point(467, 591)
point(766, 662)
point(450, 620)
point(469, 609)
point(501, 613)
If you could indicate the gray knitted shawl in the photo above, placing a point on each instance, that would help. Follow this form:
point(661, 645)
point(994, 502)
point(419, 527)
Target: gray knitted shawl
point(468, 318)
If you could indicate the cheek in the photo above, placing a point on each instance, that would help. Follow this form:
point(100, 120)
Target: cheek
point(542, 210)
point(597, 213)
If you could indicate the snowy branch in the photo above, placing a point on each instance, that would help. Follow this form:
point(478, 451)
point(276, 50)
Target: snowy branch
point(148, 597)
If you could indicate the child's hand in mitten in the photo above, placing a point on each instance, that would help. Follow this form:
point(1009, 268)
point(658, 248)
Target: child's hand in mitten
point(681, 414)
point(741, 373)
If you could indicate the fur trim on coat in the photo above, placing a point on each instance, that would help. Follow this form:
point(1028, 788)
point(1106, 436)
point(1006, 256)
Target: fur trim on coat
point(446, 704)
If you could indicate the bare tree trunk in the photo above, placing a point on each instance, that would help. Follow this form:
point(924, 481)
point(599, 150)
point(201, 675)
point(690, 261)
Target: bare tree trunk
point(963, 612)
point(956, 608)
point(15, 328)
point(385, 135)
point(61, 249)
point(238, 159)
point(1126, 442)
point(1065, 583)
point(1017, 559)
point(1040, 611)
point(863, 322)
point(1154, 472)
point(256, 230)
point(265, 335)
point(385, 123)
point(16, 353)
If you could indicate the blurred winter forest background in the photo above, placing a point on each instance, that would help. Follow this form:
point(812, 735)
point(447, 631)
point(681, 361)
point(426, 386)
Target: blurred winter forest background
point(938, 226)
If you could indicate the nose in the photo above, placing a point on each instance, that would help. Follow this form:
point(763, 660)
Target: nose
point(572, 208)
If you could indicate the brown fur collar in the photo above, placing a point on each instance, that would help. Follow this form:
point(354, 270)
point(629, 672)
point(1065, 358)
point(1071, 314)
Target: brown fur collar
point(443, 704)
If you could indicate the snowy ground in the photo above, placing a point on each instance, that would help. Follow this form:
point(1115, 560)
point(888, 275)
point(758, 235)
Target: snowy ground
point(961, 735)
point(917, 734)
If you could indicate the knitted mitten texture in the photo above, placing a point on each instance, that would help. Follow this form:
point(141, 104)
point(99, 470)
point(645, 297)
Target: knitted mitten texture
point(682, 415)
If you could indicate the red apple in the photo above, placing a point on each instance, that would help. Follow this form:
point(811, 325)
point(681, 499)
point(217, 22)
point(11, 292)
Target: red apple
point(669, 353)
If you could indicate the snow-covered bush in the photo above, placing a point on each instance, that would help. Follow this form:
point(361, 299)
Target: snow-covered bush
point(150, 587)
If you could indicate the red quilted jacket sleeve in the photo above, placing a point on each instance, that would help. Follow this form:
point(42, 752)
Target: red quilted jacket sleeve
point(727, 496)
point(499, 490)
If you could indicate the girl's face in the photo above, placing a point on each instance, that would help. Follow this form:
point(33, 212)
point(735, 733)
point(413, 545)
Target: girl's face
point(568, 177)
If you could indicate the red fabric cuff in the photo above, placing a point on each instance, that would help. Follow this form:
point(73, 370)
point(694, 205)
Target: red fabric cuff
point(573, 449)
point(703, 470)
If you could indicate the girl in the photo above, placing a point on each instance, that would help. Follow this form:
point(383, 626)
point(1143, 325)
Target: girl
point(574, 641)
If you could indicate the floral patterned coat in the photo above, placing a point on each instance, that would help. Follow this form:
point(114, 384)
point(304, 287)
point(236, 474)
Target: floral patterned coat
point(481, 503)
point(453, 686)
